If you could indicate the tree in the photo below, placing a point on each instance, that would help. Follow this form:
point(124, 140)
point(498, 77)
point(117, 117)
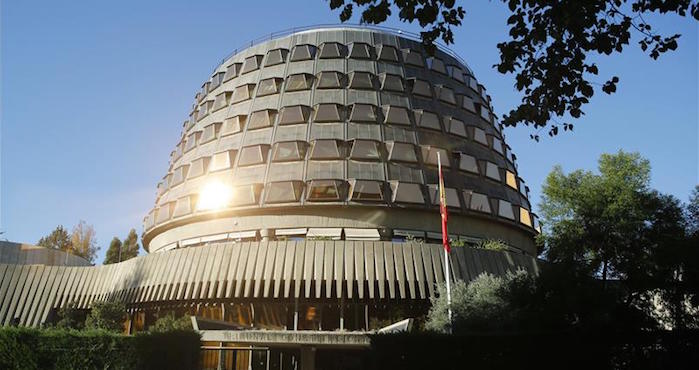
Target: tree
point(169, 322)
point(57, 239)
point(130, 246)
point(549, 45)
point(70, 317)
point(112, 255)
point(109, 315)
point(84, 242)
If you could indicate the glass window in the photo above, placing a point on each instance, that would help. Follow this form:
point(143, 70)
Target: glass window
point(197, 167)
point(216, 81)
point(326, 149)
point(510, 179)
point(276, 56)
point(467, 103)
point(252, 155)
point(283, 192)
point(363, 113)
point(413, 58)
point(183, 206)
point(401, 152)
point(361, 80)
point(289, 151)
point(330, 50)
point(404, 192)
point(396, 115)
point(328, 113)
point(505, 209)
point(457, 127)
point(391, 82)
point(485, 113)
point(222, 160)
point(233, 125)
point(330, 80)
point(164, 212)
point(492, 171)
point(232, 71)
point(446, 95)
point(437, 65)
point(366, 191)
point(210, 132)
point(325, 191)
point(178, 175)
point(269, 86)
point(204, 109)
point(497, 145)
point(456, 73)
point(360, 50)
point(192, 140)
point(251, 63)
point(298, 82)
point(468, 163)
point(246, 195)
point(365, 149)
point(421, 88)
point(429, 156)
point(478, 202)
point(479, 136)
point(243, 92)
point(294, 115)
point(388, 53)
point(452, 196)
point(524, 217)
point(472, 83)
point(222, 100)
point(262, 118)
point(427, 120)
point(302, 52)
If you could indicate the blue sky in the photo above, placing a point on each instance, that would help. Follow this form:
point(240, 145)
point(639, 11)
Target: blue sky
point(94, 95)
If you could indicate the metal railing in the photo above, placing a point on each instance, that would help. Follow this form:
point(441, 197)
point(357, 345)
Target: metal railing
point(290, 31)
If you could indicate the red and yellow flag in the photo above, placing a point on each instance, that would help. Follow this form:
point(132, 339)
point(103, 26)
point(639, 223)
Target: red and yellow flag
point(443, 208)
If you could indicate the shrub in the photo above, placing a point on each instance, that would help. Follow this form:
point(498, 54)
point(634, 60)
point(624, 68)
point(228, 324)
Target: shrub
point(169, 323)
point(106, 316)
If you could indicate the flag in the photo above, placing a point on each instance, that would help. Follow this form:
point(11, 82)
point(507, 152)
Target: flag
point(443, 208)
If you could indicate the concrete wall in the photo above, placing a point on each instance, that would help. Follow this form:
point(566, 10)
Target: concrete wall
point(26, 254)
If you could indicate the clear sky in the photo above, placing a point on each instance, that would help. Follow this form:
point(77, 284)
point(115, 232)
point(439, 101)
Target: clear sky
point(94, 95)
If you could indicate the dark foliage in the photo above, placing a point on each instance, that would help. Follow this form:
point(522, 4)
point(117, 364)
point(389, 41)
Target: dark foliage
point(549, 45)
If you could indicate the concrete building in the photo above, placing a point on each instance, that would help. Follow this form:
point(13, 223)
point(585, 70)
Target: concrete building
point(302, 196)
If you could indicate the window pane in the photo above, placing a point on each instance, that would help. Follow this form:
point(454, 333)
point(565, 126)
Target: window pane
point(436, 65)
point(404, 173)
point(421, 88)
point(451, 195)
point(222, 160)
point(233, 125)
point(412, 57)
point(401, 152)
point(261, 118)
point(251, 63)
point(396, 115)
point(289, 151)
point(252, 155)
point(365, 170)
point(329, 50)
point(232, 71)
point(479, 202)
point(302, 52)
point(492, 171)
point(325, 149)
point(297, 82)
point(327, 113)
point(446, 95)
point(294, 115)
point(276, 56)
point(407, 193)
point(325, 170)
point(362, 190)
point(360, 50)
point(391, 82)
point(479, 136)
point(468, 163)
point(361, 80)
point(210, 132)
point(429, 156)
point(427, 120)
point(497, 145)
point(524, 217)
point(457, 127)
point(324, 191)
point(388, 53)
point(365, 149)
point(330, 80)
point(243, 92)
point(282, 192)
point(511, 180)
point(363, 113)
point(268, 86)
point(505, 209)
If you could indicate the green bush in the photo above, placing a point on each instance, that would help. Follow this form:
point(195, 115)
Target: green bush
point(24, 348)
point(169, 322)
point(106, 316)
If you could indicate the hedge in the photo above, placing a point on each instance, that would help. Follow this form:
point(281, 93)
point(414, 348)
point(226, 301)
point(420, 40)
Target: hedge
point(25, 348)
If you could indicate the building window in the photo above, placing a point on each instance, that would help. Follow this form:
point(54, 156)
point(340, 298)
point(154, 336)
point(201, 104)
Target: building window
point(299, 81)
point(391, 82)
point(360, 50)
point(330, 80)
point(325, 191)
point(485, 113)
point(328, 112)
point(437, 65)
point(363, 113)
point(445, 94)
point(269, 86)
point(243, 92)
point(365, 170)
point(164, 212)
point(479, 136)
point(365, 150)
point(468, 163)
point(388, 53)
point(221, 161)
point(505, 209)
point(276, 56)
point(413, 58)
point(472, 83)
point(467, 103)
point(331, 50)
point(524, 217)
point(429, 156)
point(289, 151)
point(456, 73)
point(204, 109)
point(401, 152)
point(233, 125)
point(294, 114)
point(452, 196)
point(232, 71)
point(361, 80)
point(492, 171)
point(326, 149)
point(405, 192)
point(178, 175)
point(497, 145)
point(477, 201)
point(192, 140)
point(261, 119)
point(184, 206)
point(510, 179)
point(251, 63)
point(456, 127)
point(216, 81)
point(246, 195)
point(420, 87)
point(302, 52)
point(283, 192)
point(222, 100)
point(366, 191)
point(252, 155)
point(396, 115)
point(210, 132)
point(428, 120)
point(197, 167)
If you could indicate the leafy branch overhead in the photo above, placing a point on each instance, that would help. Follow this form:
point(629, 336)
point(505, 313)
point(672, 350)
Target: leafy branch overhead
point(548, 47)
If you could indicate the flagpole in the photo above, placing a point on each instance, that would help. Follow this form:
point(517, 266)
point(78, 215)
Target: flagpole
point(446, 255)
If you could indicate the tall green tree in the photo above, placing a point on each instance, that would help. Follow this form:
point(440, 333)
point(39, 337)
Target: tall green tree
point(112, 255)
point(548, 47)
point(130, 246)
point(57, 239)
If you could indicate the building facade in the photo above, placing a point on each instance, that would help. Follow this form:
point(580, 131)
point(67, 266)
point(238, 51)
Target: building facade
point(302, 194)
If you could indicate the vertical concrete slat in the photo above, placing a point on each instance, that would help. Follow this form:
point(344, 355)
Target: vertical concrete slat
point(390, 269)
